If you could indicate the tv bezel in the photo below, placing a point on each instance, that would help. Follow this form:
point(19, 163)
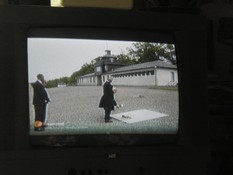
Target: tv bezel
point(187, 30)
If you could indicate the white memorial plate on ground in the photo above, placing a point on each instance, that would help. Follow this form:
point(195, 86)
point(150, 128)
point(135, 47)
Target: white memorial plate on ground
point(138, 116)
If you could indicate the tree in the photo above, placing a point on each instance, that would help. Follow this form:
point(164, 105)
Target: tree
point(146, 51)
point(169, 53)
point(52, 83)
point(87, 68)
point(55, 82)
point(126, 59)
point(73, 78)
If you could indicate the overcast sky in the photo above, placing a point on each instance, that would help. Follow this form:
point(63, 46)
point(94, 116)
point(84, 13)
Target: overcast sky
point(57, 58)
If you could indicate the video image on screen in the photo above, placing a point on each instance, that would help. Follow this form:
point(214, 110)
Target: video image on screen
point(86, 86)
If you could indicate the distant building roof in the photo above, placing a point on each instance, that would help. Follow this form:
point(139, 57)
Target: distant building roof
point(88, 75)
point(151, 64)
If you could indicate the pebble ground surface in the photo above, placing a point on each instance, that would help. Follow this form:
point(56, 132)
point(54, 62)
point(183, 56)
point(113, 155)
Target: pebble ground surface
point(74, 110)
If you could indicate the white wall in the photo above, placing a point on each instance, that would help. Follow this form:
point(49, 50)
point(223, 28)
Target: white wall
point(87, 81)
point(161, 77)
point(164, 77)
point(148, 80)
point(135, 80)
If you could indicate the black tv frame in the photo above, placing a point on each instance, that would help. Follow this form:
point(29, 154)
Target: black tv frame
point(190, 145)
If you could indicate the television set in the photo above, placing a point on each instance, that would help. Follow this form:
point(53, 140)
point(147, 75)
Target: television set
point(160, 125)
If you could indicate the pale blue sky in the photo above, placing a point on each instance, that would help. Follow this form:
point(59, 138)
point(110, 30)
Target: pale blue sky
point(57, 58)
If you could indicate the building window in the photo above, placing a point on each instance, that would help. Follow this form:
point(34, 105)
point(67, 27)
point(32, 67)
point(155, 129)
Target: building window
point(172, 76)
point(98, 69)
point(112, 60)
point(152, 72)
point(103, 69)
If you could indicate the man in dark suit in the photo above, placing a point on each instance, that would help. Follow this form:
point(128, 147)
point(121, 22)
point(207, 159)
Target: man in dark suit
point(40, 100)
point(107, 101)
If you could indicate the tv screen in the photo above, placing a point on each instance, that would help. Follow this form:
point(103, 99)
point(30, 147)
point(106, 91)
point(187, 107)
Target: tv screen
point(144, 75)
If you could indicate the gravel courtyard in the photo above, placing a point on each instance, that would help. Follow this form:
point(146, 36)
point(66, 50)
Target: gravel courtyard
point(75, 110)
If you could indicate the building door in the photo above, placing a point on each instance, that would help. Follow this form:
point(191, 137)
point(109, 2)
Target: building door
point(99, 81)
point(103, 69)
point(172, 76)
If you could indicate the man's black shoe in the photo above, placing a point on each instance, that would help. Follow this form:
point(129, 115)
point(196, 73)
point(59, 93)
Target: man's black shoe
point(44, 126)
point(108, 121)
point(39, 129)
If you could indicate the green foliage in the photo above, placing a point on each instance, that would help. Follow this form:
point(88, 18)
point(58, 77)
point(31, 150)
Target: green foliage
point(126, 59)
point(55, 82)
point(52, 83)
point(87, 68)
point(73, 78)
point(144, 52)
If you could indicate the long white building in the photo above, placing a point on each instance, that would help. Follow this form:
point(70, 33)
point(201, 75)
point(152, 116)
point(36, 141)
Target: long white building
point(155, 73)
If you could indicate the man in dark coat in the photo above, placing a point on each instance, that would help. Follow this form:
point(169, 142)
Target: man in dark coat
point(40, 100)
point(107, 101)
